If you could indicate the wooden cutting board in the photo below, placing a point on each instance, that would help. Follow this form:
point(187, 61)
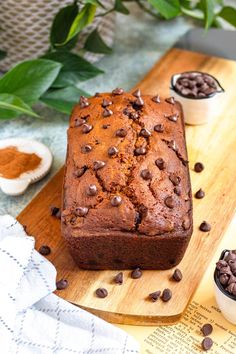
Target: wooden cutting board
point(214, 144)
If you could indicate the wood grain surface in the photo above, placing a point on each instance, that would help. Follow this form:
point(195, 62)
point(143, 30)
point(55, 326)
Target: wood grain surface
point(214, 144)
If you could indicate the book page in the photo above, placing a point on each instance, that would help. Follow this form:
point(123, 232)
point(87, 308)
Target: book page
point(185, 336)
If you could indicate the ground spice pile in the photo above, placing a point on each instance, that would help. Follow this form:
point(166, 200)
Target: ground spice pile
point(14, 162)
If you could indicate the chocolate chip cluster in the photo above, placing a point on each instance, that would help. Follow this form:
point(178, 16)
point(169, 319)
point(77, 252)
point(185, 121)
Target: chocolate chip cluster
point(226, 272)
point(195, 85)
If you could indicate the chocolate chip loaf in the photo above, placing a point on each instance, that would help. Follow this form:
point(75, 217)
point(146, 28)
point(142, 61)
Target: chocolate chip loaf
point(127, 194)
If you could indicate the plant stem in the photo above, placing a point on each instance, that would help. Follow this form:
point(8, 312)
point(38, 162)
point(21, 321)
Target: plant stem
point(105, 13)
point(150, 12)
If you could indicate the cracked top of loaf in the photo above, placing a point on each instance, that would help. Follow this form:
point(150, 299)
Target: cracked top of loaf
point(126, 167)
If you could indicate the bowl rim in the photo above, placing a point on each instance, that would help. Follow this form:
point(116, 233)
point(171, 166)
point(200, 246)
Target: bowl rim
point(172, 86)
point(217, 281)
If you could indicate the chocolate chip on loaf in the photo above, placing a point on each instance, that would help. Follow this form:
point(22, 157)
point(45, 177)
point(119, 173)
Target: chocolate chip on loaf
point(118, 91)
point(79, 122)
point(97, 165)
point(140, 151)
point(86, 128)
point(139, 102)
point(145, 133)
point(80, 171)
point(177, 190)
point(92, 190)
point(160, 163)
point(121, 133)
point(170, 100)
point(146, 174)
point(172, 117)
point(159, 128)
point(81, 211)
point(116, 200)
point(86, 148)
point(133, 115)
point(169, 202)
point(112, 151)
point(174, 179)
point(107, 112)
point(106, 103)
point(156, 99)
point(83, 102)
point(137, 93)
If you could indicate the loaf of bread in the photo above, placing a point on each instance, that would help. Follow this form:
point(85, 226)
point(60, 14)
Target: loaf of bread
point(127, 194)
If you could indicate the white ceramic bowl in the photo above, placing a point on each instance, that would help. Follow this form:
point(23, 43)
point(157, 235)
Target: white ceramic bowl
point(198, 110)
point(226, 302)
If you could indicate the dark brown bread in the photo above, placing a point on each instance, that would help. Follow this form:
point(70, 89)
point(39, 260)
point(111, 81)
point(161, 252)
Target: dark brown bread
point(127, 198)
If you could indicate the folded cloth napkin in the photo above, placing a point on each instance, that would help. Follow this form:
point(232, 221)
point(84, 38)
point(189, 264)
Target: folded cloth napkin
point(32, 319)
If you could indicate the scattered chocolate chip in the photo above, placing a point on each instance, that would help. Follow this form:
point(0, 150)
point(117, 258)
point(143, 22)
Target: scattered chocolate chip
point(92, 190)
point(62, 284)
point(119, 278)
point(133, 115)
point(207, 343)
point(55, 211)
point(154, 296)
point(121, 132)
point(86, 148)
point(200, 194)
point(44, 250)
point(166, 295)
point(169, 202)
point(106, 102)
point(137, 93)
point(98, 164)
point(105, 126)
point(170, 100)
point(118, 91)
point(112, 151)
point(145, 133)
point(116, 200)
point(160, 163)
point(139, 102)
point(205, 226)
point(81, 211)
point(136, 273)
point(146, 174)
point(174, 179)
point(186, 222)
point(83, 102)
point(79, 122)
point(80, 171)
point(101, 293)
point(198, 167)
point(140, 151)
point(107, 112)
point(86, 128)
point(159, 128)
point(156, 99)
point(172, 117)
point(177, 275)
point(177, 190)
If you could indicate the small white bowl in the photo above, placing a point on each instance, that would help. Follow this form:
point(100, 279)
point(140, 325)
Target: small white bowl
point(225, 301)
point(198, 110)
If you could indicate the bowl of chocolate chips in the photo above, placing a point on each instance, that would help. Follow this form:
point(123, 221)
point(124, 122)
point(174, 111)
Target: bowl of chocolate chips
point(199, 93)
point(225, 284)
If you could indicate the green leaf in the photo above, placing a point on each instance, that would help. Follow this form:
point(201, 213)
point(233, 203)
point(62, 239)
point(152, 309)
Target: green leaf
point(63, 100)
point(119, 7)
point(30, 79)
point(11, 106)
point(75, 69)
point(2, 54)
point(167, 8)
point(94, 2)
point(96, 44)
point(62, 23)
point(228, 14)
point(84, 18)
point(209, 12)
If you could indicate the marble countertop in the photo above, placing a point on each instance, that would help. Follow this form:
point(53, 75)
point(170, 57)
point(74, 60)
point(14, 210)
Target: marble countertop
point(140, 41)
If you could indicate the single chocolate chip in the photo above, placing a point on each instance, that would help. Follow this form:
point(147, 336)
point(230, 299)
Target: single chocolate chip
point(166, 295)
point(174, 179)
point(61, 284)
point(118, 91)
point(146, 174)
point(232, 289)
point(159, 128)
point(54, 211)
point(136, 273)
point(156, 99)
point(92, 190)
point(207, 343)
point(139, 102)
point(154, 296)
point(231, 256)
point(172, 145)
point(140, 151)
point(170, 100)
point(81, 211)
point(79, 122)
point(225, 270)
point(121, 132)
point(112, 151)
point(45, 250)
point(220, 264)
point(177, 190)
point(172, 117)
point(80, 171)
point(160, 163)
point(198, 167)
point(224, 278)
point(169, 202)
point(133, 115)
point(116, 200)
point(97, 94)
point(177, 275)
point(106, 126)
point(137, 93)
point(126, 111)
point(86, 128)
point(145, 133)
point(232, 265)
point(86, 148)
point(186, 222)
point(119, 278)
point(200, 194)
point(83, 102)
point(106, 103)
point(232, 279)
point(101, 293)
point(98, 164)
point(205, 226)
point(107, 112)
